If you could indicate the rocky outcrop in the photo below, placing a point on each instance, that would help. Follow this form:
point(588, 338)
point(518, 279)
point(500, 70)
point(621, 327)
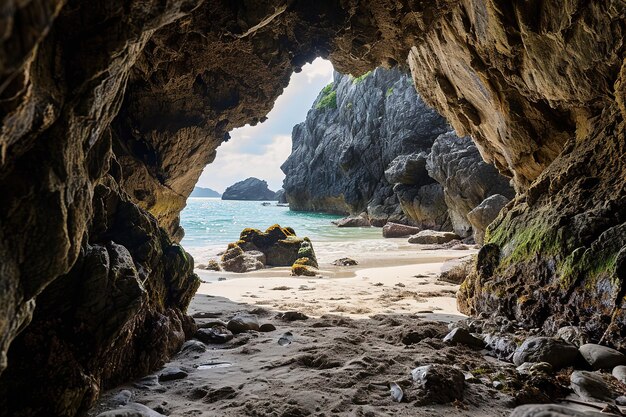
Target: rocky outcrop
point(204, 192)
point(354, 130)
point(466, 179)
point(280, 196)
point(370, 144)
point(483, 214)
point(113, 107)
point(251, 188)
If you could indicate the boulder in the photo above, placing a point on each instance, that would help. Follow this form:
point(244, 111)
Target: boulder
point(590, 386)
point(483, 214)
point(554, 351)
point(345, 262)
point(249, 189)
point(438, 383)
point(242, 322)
point(304, 267)
point(215, 334)
point(362, 220)
point(573, 334)
point(455, 271)
point(601, 357)
point(236, 260)
point(391, 230)
point(464, 337)
point(172, 373)
point(619, 373)
point(429, 237)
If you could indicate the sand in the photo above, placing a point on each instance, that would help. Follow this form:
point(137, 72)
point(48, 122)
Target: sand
point(391, 277)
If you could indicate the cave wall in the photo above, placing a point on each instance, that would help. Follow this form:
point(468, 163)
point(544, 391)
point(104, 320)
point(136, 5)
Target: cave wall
point(110, 109)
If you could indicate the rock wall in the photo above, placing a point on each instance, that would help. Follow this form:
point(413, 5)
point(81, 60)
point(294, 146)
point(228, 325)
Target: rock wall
point(370, 144)
point(116, 101)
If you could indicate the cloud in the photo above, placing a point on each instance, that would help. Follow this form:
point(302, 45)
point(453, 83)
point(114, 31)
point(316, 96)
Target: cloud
point(259, 151)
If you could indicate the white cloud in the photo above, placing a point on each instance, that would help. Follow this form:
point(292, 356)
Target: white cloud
point(259, 151)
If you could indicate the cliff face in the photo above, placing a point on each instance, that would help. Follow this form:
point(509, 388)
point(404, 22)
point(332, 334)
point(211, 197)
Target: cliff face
point(249, 189)
point(371, 144)
point(110, 109)
point(353, 131)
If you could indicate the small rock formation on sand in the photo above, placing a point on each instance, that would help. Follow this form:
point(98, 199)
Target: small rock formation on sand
point(277, 246)
point(399, 230)
point(430, 237)
point(249, 189)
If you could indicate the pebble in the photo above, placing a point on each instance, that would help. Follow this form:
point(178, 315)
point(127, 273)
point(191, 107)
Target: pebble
point(601, 357)
point(556, 352)
point(590, 386)
point(121, 398)
point(464, 337)
point(619, 372)
point(171, 373)
point(286, 339)
point(396, 392)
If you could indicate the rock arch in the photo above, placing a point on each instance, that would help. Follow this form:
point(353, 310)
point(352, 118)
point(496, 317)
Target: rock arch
point(110, 109)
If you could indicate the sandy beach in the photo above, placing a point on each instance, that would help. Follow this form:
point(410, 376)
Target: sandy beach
point(392, 277)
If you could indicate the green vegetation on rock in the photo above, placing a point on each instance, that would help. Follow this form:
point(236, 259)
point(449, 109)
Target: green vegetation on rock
point(389, 91)
point(328, 100)
point(361, 78)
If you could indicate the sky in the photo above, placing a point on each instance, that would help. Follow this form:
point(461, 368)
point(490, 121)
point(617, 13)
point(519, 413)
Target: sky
point(259, 151)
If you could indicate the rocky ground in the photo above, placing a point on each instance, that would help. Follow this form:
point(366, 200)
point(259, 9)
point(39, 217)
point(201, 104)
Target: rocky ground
point(250, 359)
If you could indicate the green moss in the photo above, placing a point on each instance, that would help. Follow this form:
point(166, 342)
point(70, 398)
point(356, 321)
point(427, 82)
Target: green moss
point(361, 78)
point(328, 99)
point(389, 91)
point(327, 102)
point(302, 270)
point(349, 105)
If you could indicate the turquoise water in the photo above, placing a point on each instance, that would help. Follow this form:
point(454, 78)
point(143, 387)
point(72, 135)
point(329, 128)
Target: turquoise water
point(210, 222)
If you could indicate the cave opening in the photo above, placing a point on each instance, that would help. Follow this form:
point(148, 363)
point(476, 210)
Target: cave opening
point(111, 109)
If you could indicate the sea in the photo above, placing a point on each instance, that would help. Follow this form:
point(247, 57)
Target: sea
point(211, 223)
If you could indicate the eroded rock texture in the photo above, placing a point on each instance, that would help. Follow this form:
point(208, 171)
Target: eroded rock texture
point(110, 109)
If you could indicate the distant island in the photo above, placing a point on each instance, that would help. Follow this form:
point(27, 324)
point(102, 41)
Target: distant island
point(252, 189)
point(204, 192)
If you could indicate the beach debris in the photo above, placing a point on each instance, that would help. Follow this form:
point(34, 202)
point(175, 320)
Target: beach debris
point(215, 334)
point(281, 288)
point(399, 284)
point(242, 322)
point(396, 392)
point(345, 262)
point(172, 373)
point(221, 279)
point(292, 316)
point(285, 339)
point(267, 327)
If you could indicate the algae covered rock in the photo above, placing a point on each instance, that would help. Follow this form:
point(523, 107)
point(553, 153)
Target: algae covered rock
point(303, 266)
point(277, 246)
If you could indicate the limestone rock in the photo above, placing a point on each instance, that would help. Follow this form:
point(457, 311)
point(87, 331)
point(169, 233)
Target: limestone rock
point(249, 189)
point(429, 237)
point(601, 357)
point(483, 214)
point(556, 352)
point(391, 230)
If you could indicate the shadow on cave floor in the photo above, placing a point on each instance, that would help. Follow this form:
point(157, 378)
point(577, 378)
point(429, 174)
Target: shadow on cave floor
point(331, 365)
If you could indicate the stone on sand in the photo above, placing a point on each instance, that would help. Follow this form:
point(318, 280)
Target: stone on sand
point(430, 237)
point(590, 386)
point(391, 230)
point(464, 337)
point(242, 322)
point(171, 373)
point(439, 383)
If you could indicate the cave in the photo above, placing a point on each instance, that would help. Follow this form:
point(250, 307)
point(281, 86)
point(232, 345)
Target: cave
point(111, 109)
